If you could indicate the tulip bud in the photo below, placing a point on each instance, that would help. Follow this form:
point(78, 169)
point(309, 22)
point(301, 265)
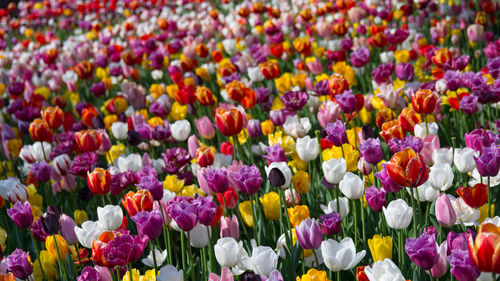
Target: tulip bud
point(445, 214)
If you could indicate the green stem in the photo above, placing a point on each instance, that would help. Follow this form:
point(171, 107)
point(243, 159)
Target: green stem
point(154, 255)
point(183, 249)
point(363, 219)
point(355, 223)
point(414, 213)
point(61, 268)
point(210, 251)
point(130, 273)
point(489, 199)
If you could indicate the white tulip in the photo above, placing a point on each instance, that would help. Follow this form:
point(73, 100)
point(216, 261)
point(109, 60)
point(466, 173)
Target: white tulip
point(26, 154)
point(160, 258)
point(281, 175)
point(255, 74)
point(13, 190)
point(264, 260)
point(230, 46)
point(352, 186)
point(398, 214)
point(170, 273)
point(38, 153)
point(420, 130)
point(332, 207)
point(119, 130)
point(61, 164)
point(334, 170)
point(465, 214)
point(89, 232)
point(464, 159)
point(110, 217)
point(307, 148)
point(442, 155)
point(441, 176)
point(340, 256)
point(181, 130)
point(384, 271)
point(199, 236)
point(425, 192)
point(132, 162)
point(228, 251)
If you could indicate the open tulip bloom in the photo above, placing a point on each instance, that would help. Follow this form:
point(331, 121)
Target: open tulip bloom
point(249, 140)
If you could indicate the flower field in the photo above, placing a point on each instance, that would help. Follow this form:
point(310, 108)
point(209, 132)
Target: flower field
point(280, 140)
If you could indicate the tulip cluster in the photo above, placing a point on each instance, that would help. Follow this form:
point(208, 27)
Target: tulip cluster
point(249, 140)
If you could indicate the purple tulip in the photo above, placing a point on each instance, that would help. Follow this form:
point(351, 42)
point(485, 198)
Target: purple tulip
point(360, 57)
point(375, 198)
point(274, 276)
point(176, 159)
point(41, 171)
point(387, 183)
point(346, 101)
point(459, 240)
point(461, 266)
point(50, 220)
point(37, 230)
point(19, 264)
point(422, 250)
point(161, 133)
point(248, 179)
point(294, 100)
point(336, 133)
point(309, 234)
point(371, 151)
point(468, 104)
point(396, 36)
point(217, 180)
point(21, 214)
point(404, 71)
point(321, 88)
point(98, 89)
point(125, 249)
point(488, 164)
point(254, 128)
point(382, 72)
point(478, 139)
point(183, 212)
point(67, 229)
point(275, 153)
point(152, 184)
point(89, 274)
point(278, 117)
point(149, 223)
point(330, 223)
point(207, 209)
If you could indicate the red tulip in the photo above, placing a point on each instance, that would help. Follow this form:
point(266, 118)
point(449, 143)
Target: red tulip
point(53, 116)
point(134, 202)
point(229, 122)
point(99, 181)
point(407, 168)
point(424, 101)
point(485, 250)
point(475, 196)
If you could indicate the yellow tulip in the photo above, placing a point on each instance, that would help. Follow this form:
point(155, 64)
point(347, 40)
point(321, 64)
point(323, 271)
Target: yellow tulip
point(203, 73)
point(173, 184)
point(301, 182)
point(115, 152)
point(283, 83)
point(345, 70)
point(14, 147)
point(483, 212)
point(313, 275)
point(156, 90)
point(62, 247)
point(271, 203)
point(297, 214)
point(351, 155)
point(109, 120)
point(178, 111)
point(191, 191)
point(380, 247)
point(48, 265)
point(267, 127)
point(135, 275)
point(246, 213)
point(80, 216)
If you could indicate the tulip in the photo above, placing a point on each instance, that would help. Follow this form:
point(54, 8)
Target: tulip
point(229, 122)
point(206, 210)
point(225, 275)
point(183, 213)
point(423, 250)
point(464, 159)
point(228, 251)
point(478, 139)
point(375, 198)
point(19, 263)
point(309, 234)
point(475, 196)
point(307, 148)
point(263, 260)
point(271, 204)
point(279, 174)
point(445, 214)
point(384, 270)
point(67, 229)
point(21, 214)
point(199, 236)
point(488, 164)
point(134, 202)
point(441, 176)
point(337, 84)
point(465, 214)
point(297, 214)
point(475, 33)
point(248, 179)
point(254, 128)
point(408, 118)
point(89, 140)
point(170, 273)
point(340, 256)
point(110, 217)
point(334, 170)
point(39, 131)
point(294, 100)
point(397, 214)
point(387, 183)
point(13, 190)
point(336, 133)
point(440, 268)
point(99, 181)
point(424, 101)
point(229, 227)
point(352, 186)
point(482, 249)
point(119, 130)
point(442, 156)
point(149, 223)
point(89, 232)
point(328, 113)
point(421, 130)
point(88, 273)
point(407, 168)
point(58, 251)
point(180, 130)
point(343, 203)
point(461, 266)
point(371, 151)
point(380, 247)
point(160, 258)
point(50, 220)
point(330, 223)
point(228, 198)
point(205, 127)
point(125, 249)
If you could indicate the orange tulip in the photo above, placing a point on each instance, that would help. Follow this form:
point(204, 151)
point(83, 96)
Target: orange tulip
point(236, 90)
point(339, 29)
point(384, 115)
point(88, 140)
point(204, 96)
point(99, 181)
point(270, 70)
point(53, 116)
point(408, 119)
point(424, 101)
point(88, 114)
point(201, 50)
point(475, 196)
point(392, 129)
point(276, 50)
point(229, 122)
point(40, 131)
point(337, 84)
point(441, 56)
point(250, 98)
point(407, 168)
point(84, 69)
point(302, 46)
point(99, 245)
point(226, 68)
point(485, 250)
point(135, 202)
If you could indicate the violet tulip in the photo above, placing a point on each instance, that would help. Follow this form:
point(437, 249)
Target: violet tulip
point(294, 100)
point(248, 179)
point(387, 183)
point(183, 212)
point(336, 133)
point(346, 101)
point(206, 209)
point(461, 265)
point(375, 198)
point(18, 262)
point(67, 229)
point(488, 164)
point(371, 151)
point(330, 223)
point(217, 180)
point(423, 250)
point(309, 234)
point(125, 249)
point(21, 214)
point(254, 128)
point(149, 223)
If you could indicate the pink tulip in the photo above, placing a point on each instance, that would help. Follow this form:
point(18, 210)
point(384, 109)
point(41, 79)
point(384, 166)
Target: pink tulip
point(431, 143)
point(328, 113)
point(475, 32)
point(445, 214)
point(441, 267)
point(225, 275)
point(229, 227)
